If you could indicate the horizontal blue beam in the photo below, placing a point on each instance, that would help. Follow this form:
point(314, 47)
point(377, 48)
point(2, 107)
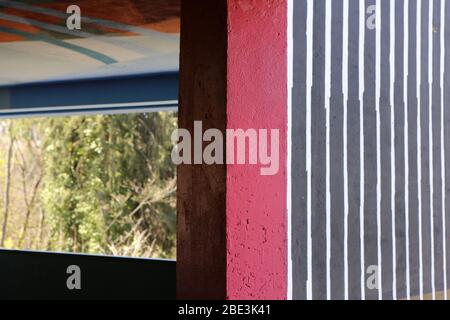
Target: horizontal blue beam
point(110, 94)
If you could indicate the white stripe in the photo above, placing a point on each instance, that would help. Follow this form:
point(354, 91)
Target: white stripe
point(443, 169)
point(328, 15)
point(309, 81)
point(89, 112)
point(393, 189)
point(377, 109)
point(362, 30)
point(290, 68)
point(430, 141)
point(92, 106)
point(345, 20)
point(405, 101)
point(419, 142)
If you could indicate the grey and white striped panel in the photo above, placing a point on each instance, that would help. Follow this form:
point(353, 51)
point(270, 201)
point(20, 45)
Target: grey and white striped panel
point(370, 148)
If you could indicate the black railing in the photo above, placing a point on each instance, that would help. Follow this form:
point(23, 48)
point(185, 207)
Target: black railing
point(39, 275)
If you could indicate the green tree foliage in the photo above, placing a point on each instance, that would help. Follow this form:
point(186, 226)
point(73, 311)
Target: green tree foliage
point(109, 183)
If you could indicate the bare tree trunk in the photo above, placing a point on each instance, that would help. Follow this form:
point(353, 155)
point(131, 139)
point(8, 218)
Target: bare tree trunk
point(7, 189)
point(75, 239)
point(41, 229)
point(30, 207)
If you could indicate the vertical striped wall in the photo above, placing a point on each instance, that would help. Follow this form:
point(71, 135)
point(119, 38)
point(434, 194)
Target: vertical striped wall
point(371, 148)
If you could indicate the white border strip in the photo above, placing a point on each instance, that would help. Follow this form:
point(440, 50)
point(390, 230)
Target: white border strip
point(290, 84)
point(392, 61)
point(309, 82)
point(89, 112)
point(378, 134)
point(91, 106)
point(406, 133)
point(362, 39)
point(327, 97)
point(419, 137)
point(443, 169)
point(430, 140)
point(345, 81)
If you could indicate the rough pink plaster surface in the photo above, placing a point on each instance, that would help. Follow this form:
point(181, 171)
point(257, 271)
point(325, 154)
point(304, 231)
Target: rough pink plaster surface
point(231, 220)
point(256, 212)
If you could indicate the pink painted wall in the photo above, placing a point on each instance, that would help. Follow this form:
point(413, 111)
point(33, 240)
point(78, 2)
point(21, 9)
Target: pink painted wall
point(232, 221)
point(256, 212)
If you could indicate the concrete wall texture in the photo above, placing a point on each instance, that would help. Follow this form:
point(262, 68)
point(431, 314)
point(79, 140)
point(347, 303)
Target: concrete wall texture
point(371, 148)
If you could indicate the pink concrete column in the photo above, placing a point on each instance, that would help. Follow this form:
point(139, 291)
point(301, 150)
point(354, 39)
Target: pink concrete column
point(232, 221)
